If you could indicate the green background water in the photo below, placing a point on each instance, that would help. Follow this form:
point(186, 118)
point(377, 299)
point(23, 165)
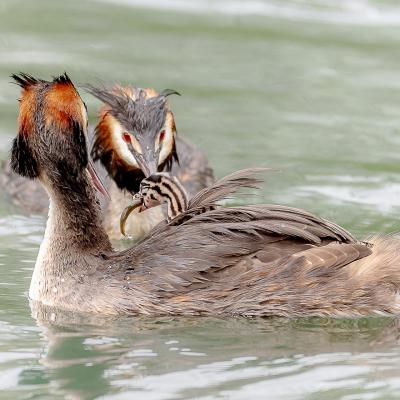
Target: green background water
point(311, 88)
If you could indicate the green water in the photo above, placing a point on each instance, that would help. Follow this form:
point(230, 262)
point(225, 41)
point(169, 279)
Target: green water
point(311, 88)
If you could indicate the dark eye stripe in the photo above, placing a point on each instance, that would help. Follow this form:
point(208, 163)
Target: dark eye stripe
point(158, 190)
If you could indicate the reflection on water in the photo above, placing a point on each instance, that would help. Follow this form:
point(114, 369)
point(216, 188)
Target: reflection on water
point(168, 358)
point(309, 87)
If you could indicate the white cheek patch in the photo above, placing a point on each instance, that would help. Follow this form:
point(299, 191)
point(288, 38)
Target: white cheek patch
point(120, 146)
point(166, 145)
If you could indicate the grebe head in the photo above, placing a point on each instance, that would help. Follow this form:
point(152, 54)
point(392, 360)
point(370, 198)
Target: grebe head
point(52, 131)
point(135, 134)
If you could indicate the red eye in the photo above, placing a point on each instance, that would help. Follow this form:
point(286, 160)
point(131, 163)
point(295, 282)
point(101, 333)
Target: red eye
point(162, 135)
point(127, 137)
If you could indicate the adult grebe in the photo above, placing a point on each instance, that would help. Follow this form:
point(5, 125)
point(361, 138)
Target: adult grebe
point(251, 260)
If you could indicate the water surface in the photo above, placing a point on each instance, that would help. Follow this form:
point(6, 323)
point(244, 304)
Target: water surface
point(307, 87)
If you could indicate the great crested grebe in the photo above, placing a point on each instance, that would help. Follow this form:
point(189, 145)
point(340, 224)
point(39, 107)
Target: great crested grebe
point(258, 260)
point(136, 136)
point(158, 150)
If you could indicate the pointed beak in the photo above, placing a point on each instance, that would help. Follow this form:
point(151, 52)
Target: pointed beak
point(148, 164)
point(98, 184)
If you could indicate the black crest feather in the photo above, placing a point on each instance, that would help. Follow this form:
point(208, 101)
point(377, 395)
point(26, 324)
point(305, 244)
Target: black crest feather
point(139, 114)
point(64, 78)
point(169, 92)
point(25, 80)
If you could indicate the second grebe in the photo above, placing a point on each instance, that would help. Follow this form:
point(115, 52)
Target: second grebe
point(136, 136)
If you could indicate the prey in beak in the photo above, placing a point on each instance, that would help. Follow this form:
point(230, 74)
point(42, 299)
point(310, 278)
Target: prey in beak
point(157, 189)
point(141, 202)
point(137, 203)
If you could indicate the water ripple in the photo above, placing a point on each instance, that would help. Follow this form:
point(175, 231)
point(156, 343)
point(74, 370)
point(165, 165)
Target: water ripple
point(353, 12)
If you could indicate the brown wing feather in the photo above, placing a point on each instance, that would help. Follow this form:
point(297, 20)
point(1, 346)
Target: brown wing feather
point(227, 186)
point(204, 243)
point(325, 260)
